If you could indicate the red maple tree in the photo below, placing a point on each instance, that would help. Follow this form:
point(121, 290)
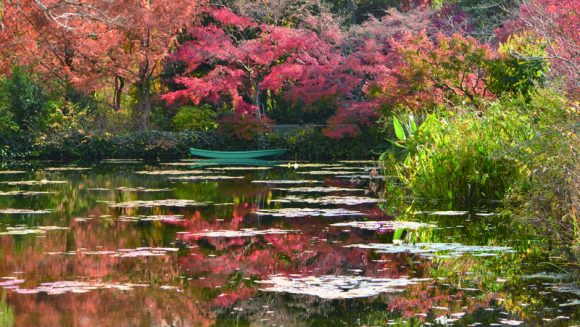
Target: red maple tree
point(88, 43)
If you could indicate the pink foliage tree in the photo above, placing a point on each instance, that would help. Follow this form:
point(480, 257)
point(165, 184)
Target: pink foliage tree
point(242, 59)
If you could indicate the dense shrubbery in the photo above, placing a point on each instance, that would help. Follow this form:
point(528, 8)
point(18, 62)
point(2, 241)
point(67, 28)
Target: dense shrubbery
point(303, 144)
point(522, 151)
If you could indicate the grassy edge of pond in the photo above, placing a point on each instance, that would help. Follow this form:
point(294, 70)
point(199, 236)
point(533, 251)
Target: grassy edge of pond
point(521, 154)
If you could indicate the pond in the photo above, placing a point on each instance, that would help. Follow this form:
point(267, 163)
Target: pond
point(126, 243)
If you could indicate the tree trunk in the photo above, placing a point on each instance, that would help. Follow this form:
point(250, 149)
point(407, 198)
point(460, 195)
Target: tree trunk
point(144, 104)
point(119, 85)
point(258, 104)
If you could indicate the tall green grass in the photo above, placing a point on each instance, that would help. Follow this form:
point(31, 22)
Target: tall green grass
point(521, 151)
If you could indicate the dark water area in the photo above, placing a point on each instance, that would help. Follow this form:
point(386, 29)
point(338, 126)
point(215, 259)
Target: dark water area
point(131, 243)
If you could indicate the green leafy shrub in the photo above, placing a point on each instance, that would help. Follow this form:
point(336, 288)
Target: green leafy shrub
point(546, 198)
point(456, 157)
point(200, 118)
point(523, 151)
point(24, 101)
point(310, 143)
point(521, 67)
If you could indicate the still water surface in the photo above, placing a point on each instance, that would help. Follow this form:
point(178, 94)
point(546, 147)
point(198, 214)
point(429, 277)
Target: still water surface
point(130, 243)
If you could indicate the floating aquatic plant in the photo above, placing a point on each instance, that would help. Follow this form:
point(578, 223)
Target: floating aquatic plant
point(143, 252)
point(132, 189)
point(384, 225)
point(286, 181)
point(23, 230)
point(358, 161)
point(122, 161)
point(11, 172)
point(318, 189)
point(435, 249)
point(337, 287)
point(327, 172)
point(247, 232)
point(62, 287)
point(70, 168)
point(24, 211)
point(159, 203)
point(305, 212)
point(297, 165)
point(170, 172)
point(25, 193)
point(242, 168)
point(33, 183)
point(178, 163)
point(447, 213)
point(166, 218)
point(362, 176)
point(204, 178)
point(329, 200)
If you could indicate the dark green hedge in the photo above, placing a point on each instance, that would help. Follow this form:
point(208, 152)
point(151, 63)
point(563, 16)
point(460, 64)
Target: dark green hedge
point(302, 144)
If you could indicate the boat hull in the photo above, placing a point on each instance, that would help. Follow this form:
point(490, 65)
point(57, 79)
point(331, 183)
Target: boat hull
point(237, 154)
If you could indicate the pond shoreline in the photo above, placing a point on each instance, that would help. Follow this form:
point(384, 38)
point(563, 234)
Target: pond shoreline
point(302, 144)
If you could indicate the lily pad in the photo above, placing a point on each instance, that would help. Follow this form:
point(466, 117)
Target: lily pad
point(122, 161)
point(327, 172)
point(178, 164)
point(62, 287)
point(297, 165)
point(306, 212)
point(362, 176)
point(329, 200)
point(435, 249)
point(204, 178)
point(448, 213)
point(247, 232)
point(159, 203)
point(384, 225)
point(23, 230)
point(24, 193)
point(12, 172)
point(243, 168)
point(337, 287)
point(358, 161)
point(317, 189)
point(66, 169)
point(34, 183)
point(166, 218)
point(170, 172)
point(24, 211)
point(132, 189)
point(286, 181)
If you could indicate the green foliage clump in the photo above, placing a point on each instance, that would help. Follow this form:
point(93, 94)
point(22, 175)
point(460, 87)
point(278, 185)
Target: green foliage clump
point(310, 143)
point(24, 101)
point(201, 118)
point(521, 67)
point(547, 195)
point(523, 151)
point(455, 157)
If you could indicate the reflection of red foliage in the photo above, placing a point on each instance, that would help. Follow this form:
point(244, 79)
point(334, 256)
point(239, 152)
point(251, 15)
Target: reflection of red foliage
point(422, 298)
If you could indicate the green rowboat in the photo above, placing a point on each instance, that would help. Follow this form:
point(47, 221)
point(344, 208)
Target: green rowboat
point(237, 154)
